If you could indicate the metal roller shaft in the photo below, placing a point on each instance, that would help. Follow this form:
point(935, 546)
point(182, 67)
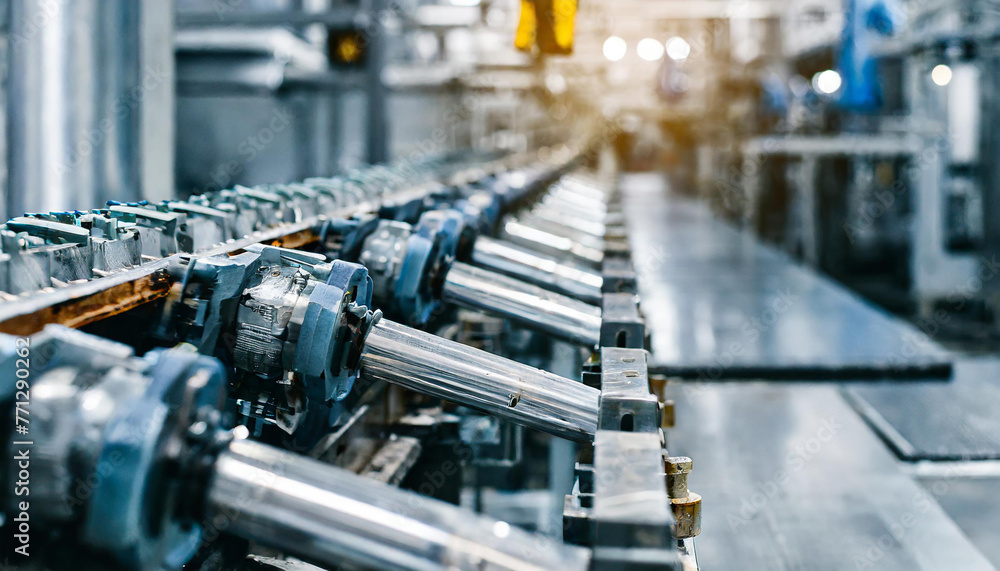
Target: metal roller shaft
point(530, 305)
point(554, 227)
point(438, 367)
point(549, 243)
point(330, 516)
point(580, 207)
point(590, 228)
point(537, 269)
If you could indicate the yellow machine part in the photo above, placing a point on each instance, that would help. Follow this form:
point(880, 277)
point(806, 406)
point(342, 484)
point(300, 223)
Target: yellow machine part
point(524, 37)
point(548, 24)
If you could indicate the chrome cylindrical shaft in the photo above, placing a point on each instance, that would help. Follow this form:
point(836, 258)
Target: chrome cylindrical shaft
point(592, 230)
point(585, 210)
point(438, 367)
point(580, 189)
point(538, 269)
point(537, 308)
point(561, 228)
point(331, 516)
point(549, 243)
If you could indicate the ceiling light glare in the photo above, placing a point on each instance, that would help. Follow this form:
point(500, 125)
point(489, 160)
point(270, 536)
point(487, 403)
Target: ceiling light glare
point(615, 48)
point(678, 49)
point(941, 75)
point(555, 83)
point(827, 82)
point(649, 49)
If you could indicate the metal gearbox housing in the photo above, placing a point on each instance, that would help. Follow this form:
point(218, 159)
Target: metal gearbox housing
point(107, 427)
point(405, 263)
point(291, 324)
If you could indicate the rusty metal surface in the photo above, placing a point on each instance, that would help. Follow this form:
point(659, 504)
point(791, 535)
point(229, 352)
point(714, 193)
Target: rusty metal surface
point(81, 304)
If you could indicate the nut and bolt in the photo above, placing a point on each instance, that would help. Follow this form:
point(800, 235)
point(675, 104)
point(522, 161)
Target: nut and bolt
point(686, 504)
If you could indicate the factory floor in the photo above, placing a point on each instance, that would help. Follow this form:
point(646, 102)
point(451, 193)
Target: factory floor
point(865, 450)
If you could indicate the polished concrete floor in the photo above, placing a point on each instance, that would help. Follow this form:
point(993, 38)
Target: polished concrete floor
point(958, 420)
point(721, 304)
point(792, 474)
point(792, 478)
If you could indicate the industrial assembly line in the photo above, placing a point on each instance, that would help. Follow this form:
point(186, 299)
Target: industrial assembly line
point(523, 285)
point(324, 389)
point(228, 379)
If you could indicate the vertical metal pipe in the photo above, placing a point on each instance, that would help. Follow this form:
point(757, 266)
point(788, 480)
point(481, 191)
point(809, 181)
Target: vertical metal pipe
point(74, 92)
point(538, 269)
point(438, 367)
point(330, 516)
point(378, 136)
point(530, 305)
point(39, 106)
point(157, 116)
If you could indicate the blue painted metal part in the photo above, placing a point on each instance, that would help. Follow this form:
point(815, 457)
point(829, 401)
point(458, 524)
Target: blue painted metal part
point(409, 211)
point(432, 247)
point(228, 277)
point(482, 210)
point(448, 224)
point(349, 233)
point(323, 353)
point(123, 513)
point(414, 300)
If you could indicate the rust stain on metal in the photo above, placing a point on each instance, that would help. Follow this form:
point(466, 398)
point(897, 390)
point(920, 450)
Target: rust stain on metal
point(296, 239)
point(88, 309)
